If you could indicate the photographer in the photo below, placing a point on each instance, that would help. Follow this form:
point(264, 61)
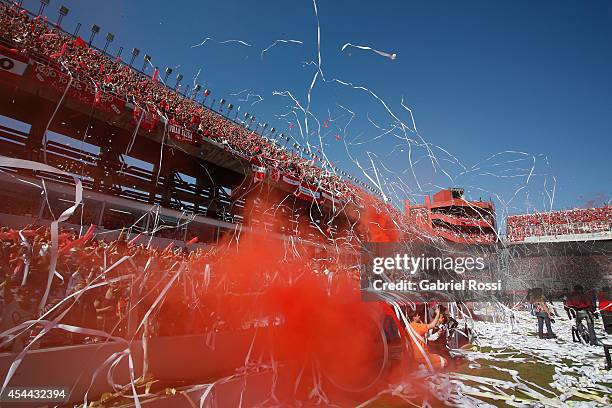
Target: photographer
point(418, 333)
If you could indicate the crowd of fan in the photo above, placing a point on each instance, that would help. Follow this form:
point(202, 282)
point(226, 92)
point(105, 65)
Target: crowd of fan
point(577, 221)
point(116, 307)
point(420, 216)
point(475, 236)
point(461, 214)
point(36, 37)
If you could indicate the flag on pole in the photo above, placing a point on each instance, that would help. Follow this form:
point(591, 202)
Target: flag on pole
point(79, 42)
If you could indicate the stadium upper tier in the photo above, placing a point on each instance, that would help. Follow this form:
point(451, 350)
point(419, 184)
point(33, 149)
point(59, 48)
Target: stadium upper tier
point(449, 215)
point(577, 222)
point(29, 37)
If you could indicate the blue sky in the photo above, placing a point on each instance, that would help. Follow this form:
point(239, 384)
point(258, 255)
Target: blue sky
point(511, 100)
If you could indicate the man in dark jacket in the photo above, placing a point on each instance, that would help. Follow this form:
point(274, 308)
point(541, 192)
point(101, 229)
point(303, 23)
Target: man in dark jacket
point(582, 303)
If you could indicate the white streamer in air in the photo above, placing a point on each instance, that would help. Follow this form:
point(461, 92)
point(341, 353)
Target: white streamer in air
point(221, 42)
point(279, 41)
point(391, 56)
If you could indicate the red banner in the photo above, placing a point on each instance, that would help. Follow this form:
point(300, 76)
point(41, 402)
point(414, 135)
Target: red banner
point(181, 134)
point(275, 175)
point(292, 181)
point(307, 192)
point(148, 121)
point(84, 92)
point(329, 197)
point(259, 172)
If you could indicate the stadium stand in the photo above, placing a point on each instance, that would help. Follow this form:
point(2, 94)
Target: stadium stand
point(569, 222)
point(40, 40)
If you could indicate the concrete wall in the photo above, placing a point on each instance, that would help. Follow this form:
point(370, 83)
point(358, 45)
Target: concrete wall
point(184, 358)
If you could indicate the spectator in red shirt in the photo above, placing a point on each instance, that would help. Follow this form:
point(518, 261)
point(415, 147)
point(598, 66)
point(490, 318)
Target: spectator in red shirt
point(605, 308)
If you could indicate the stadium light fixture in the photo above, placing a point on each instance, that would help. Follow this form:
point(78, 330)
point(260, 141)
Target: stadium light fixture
point(195, 91)
point(43, 4)
point(135, 52)
point(95, 29)
point(110, 37)
point(63, 11)
point(147, 60)
point(168, 71)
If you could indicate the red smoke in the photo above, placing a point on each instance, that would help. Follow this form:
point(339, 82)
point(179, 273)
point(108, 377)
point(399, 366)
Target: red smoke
point(378, 222)
point(317, 321)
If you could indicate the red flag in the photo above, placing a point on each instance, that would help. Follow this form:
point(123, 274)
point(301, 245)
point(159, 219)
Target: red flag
point(61, 53)
point(149, 120)
point(259, 171)
point(155, 74)
point(79, 42)
point(78, 242)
